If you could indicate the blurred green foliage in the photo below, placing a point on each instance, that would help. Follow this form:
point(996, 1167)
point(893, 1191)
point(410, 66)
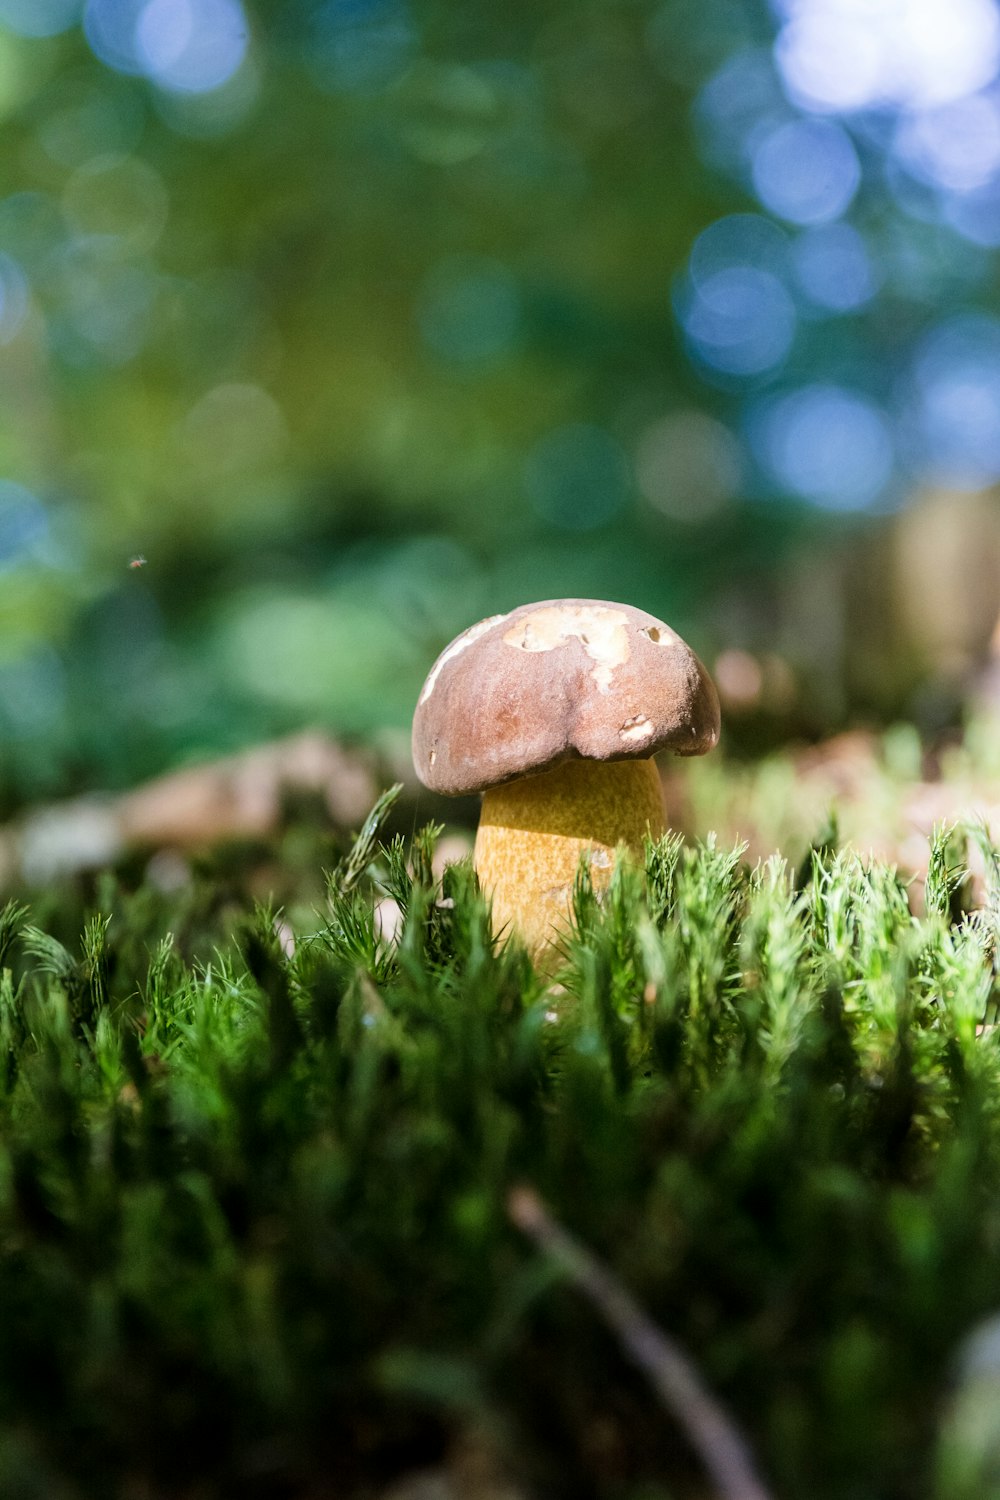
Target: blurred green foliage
point(327, 328)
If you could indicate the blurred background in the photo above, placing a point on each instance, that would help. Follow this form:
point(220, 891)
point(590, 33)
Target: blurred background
point(329, 326)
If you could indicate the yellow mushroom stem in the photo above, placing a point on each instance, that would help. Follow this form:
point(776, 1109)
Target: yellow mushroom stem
point(532, 833)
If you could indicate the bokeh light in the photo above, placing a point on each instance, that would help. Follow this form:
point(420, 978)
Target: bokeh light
point(190, 46)
point(688, 465)
point(737, 105)
point(24, 525)
point(117, 203)
point(976, 215)
point(39, 17)
point(739, 679)
point(827, 444)
point(32, 693)
point(32, 227)
point(733, 304)
point(469, 310)
point(953, 412)
point(233, 428)
point(450, 114)
point(737, 239)
point(14, 298)
point(834, 269)
point(806, 171)
point(577, 477)
point(110, 27)
point(87, 122)
point(360, 45)
point(844, 55)
point(955, 147)
point(102, 307)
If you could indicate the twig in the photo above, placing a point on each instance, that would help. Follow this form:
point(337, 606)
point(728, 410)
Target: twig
point(712, 1433)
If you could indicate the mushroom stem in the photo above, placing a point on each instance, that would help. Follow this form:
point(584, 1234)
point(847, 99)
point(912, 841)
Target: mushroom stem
point(533, 831)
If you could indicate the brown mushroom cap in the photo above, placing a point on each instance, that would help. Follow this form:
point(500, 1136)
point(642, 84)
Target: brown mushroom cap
point(561, 680)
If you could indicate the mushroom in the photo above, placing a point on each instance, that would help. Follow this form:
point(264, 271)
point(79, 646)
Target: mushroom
point(554, 712)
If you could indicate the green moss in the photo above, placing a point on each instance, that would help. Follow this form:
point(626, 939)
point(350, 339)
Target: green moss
point(253, 1226)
